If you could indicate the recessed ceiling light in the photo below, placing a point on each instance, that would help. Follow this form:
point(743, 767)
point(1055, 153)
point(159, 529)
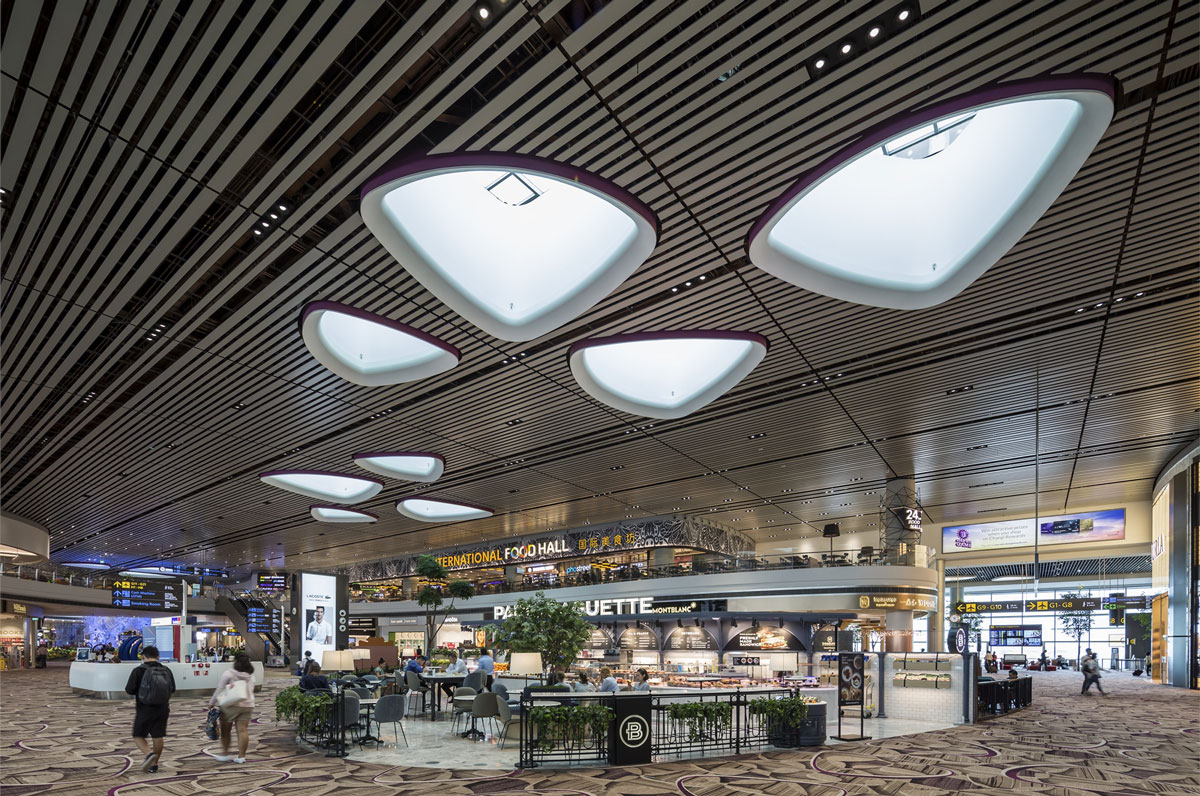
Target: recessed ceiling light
point(341, 515)
point(845, 48)
point(904, 15)
point(322, 485)
point(515, 244)
point(994, 160)
point(664, 375)
point(369, 349)
point(434, 510)
point(873, 32)
point(820, 64)
point(407, 465)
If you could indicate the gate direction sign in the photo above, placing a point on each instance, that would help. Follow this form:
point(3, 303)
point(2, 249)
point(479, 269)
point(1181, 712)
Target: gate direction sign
point(1034, 606)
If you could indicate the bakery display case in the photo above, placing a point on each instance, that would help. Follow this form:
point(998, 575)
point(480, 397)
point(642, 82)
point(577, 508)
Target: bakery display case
point(921, 670)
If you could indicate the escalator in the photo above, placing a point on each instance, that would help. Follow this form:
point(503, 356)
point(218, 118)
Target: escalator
point(260, 621)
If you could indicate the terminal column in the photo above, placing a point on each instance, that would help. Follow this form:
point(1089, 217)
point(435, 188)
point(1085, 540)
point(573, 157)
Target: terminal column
point(898, 533)
point(899, 631)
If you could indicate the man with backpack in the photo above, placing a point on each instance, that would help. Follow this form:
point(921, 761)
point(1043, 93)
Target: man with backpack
point(151, 684)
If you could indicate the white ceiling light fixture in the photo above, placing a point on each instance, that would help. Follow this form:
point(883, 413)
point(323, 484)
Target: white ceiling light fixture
point(517, 245)
point(86, 564)
point(921, 205)
point(664, 375)
point(1007, 578)
point(22, 541)
point(956, 578)
point(406, 465)
point(339, 514)
point(369, 349)
point(322, 485)
point(436, 510)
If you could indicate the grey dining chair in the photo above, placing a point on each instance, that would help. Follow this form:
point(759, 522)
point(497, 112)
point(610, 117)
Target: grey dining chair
point(414, 684)
point(350, 715)
point(476, 680)
point(463, 697)
point(504, 713)
point(390, 710)
point(500, 690)
point(483, 706)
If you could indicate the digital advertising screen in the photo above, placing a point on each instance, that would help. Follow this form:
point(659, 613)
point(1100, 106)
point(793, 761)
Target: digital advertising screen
point(1091, 526)
point(319, 611)
point(1015, 635)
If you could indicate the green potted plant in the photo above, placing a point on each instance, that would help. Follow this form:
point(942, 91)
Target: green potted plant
point(792, 721)
point(431, 597)
point(702, 720)
point(542, 624)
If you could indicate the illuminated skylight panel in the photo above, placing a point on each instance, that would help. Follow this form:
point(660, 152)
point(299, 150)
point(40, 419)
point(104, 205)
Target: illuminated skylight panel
point(664, 375)
point(428, 510)
point(516, 245)
point(917, 210)
point(334, 487)
point(421, 467)
point(87, 564)
point(336, 514)
point(370, 349)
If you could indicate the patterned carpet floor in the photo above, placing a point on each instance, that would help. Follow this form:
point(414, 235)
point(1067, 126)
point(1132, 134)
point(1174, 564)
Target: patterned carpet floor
point(1143, 739)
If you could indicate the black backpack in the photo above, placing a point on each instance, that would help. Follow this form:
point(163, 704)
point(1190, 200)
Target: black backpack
point(156, 686)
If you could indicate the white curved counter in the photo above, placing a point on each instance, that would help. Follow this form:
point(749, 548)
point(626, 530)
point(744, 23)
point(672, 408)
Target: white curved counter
point(107, 680)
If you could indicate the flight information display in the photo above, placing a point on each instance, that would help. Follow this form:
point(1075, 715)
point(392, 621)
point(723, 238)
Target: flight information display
point(273, 583)
point(1015, 635)
point(148, 595)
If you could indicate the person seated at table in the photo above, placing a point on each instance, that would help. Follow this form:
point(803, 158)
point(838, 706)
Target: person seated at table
point(380, 668)
point(583, 686)
point(642, 682)
point(313, 678)
point(608, 683)
point(458, 667)
point(1012, 674)
point(416, 664)
point(302, 666)
point(553, 683)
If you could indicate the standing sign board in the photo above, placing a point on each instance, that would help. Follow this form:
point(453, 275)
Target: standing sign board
point(852, 676)
point(629, 739)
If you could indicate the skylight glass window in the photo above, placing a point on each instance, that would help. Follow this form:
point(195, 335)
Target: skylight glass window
point(370, 349)
point(320, 485)
point(431, 510)
point(922, 205)
point(423, 467)
point(664, 374)
point(337, 514)
point(516, 245)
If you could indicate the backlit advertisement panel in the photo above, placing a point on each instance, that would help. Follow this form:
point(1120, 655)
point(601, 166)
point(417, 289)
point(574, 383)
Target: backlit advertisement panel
point(1091, 526)
point(322, 613)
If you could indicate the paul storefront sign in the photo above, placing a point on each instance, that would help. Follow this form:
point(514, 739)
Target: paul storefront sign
point(624, 605)
point(505, 555)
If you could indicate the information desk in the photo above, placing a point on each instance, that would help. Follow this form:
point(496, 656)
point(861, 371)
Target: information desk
point(107, 680)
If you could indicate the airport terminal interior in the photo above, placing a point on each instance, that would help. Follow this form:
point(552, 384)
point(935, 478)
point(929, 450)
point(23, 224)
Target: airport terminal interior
point(596, 397)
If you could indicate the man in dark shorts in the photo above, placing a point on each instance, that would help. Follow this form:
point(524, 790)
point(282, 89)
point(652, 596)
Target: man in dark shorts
point(151, 685)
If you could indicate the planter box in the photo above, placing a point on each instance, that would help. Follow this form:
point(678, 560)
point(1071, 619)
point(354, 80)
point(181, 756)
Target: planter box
point(810, 733)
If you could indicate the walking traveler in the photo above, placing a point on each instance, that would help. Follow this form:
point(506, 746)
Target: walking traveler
point(234, 695)
point(151, 684)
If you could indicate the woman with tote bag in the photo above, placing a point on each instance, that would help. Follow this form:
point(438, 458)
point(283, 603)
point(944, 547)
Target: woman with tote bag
point(235, 697)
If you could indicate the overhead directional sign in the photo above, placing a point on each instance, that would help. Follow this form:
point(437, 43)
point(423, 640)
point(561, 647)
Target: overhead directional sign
point(148, 595)
point(260, 619)
point(1023, 606)
point(1139, 603)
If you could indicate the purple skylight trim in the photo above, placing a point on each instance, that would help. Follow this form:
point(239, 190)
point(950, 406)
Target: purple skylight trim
point(425, 454)
point(447, 501)
point(893, 126)
point(683, 334)
point(346, 309)
point(269, 473)
point(417, 164)
point(342, 508)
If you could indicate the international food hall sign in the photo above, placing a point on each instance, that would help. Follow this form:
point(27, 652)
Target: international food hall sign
point(1022, 606)
point(607, 539)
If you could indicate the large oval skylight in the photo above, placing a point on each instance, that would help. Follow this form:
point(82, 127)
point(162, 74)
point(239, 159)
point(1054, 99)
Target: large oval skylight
point(337, 514)
point(664, 374)
point(923, 204)
point(430, 510)
point(370, 349)
point(515, 244)
point(335, 487)
point(407, 465)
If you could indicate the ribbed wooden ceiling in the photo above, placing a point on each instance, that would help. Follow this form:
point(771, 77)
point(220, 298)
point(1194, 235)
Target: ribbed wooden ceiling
point(152, 365)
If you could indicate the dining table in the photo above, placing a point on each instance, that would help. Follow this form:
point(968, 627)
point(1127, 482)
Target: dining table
point(436, 680)
point(369, 704)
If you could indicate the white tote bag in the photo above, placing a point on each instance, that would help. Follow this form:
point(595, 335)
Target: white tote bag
point(234, 694)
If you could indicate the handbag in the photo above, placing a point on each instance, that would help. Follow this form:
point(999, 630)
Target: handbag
point(234, 694)
point(210, 724)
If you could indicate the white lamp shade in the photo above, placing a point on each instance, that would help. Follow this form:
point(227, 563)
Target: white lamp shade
point(360, 653)
point(407, 652)
point(369, 349)
point(433, 510)
point(664, 375)
point(337, 660)
point(923, 204)
point(337, 514)
point(517, 245)
point(525, 663)
point(406, 465)
point(322, 485)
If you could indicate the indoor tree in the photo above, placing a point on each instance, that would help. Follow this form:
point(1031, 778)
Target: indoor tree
point(1076, 624)
point(542, 624)
point(431, 597)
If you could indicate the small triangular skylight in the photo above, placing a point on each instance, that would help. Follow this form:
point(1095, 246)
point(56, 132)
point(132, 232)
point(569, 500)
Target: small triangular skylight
point(432, 510)
point(664, 374)
point(338, 514)
point(407, 465)
point(517, 245)
point(369, 349)
point(321, 485)
point(923, 204)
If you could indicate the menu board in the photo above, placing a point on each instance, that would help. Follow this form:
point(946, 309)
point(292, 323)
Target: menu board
point(1092, 526)
point(261, 619)
point(764, 639)
point(600, 640)
point(148, 595)
point(636, 638)
point(851, 673)
point(273, 583)
point(691, 638)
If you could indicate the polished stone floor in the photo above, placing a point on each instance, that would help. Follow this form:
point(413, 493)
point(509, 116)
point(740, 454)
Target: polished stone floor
point(1143, 739)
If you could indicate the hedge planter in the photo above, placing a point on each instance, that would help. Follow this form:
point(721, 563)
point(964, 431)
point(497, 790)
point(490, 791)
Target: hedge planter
point(812, 728)
point(791, 724)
